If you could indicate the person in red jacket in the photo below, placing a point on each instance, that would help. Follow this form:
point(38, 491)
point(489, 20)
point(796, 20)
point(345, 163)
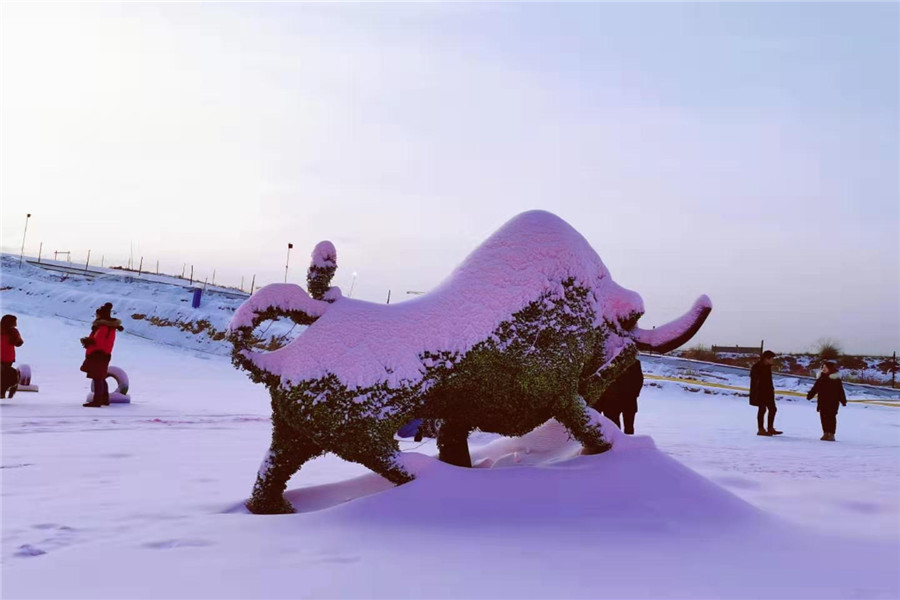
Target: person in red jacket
point(98, 352)
point(10, 339)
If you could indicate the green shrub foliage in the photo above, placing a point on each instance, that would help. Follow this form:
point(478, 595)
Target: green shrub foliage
point(549, 360)
point(320, 273)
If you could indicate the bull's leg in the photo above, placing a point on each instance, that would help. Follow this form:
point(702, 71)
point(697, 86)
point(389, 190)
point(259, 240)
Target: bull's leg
point(286, 455)
point(453, 444)
point(574, 415)
point(383, 456)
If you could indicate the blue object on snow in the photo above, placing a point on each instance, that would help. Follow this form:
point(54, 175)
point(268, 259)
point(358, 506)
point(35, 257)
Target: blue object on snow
point(195, 302)
point(410, 429)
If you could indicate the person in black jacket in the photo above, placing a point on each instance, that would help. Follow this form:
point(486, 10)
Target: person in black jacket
point(621, 397)
point(831, 395)
point(762, 393)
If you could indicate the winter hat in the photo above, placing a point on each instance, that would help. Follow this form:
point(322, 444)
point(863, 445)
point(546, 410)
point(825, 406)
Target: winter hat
point(7, 321)
point(105, 310)
point(768, 354)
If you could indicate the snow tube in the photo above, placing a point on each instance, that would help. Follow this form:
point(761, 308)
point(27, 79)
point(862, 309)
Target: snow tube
point(25, 384)
point(410, 429)
point(120, 395)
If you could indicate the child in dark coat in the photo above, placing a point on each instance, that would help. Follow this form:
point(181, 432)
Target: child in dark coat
point(831, 396)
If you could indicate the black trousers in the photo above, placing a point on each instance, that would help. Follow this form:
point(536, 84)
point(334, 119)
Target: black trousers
point(101, 390)
point(9, 376)
point(628, 417)
point(760, 415)
point(829, 422)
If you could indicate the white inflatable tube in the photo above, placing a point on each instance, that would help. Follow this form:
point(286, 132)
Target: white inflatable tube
point(25, 384)
point(120, 395)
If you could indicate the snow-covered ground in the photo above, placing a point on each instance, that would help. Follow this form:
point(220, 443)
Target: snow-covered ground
point(787, 387)
point(145, 500)
point(153, 307)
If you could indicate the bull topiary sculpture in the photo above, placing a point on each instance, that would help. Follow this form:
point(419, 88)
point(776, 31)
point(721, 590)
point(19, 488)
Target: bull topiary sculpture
point(529, 327)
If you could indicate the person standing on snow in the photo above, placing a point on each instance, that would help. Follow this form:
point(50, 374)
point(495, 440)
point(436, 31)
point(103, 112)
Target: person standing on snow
point(10, 339)
point(621, 397)
point(831, 395)
point(98, 352)
point(762, 393)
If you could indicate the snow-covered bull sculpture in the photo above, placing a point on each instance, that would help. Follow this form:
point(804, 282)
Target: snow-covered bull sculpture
point(529, 327)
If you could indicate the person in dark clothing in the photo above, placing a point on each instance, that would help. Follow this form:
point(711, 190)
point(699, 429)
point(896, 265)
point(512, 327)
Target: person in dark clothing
point(10, 339)
point(98, 353)
point(831, 396)
point(620, 399)
point(762, 393)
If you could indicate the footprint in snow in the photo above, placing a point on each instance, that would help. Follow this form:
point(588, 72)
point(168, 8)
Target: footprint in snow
point(168, 544)
point(27, 551)
point(56, 526)
point(866, 508)
point(343, 560)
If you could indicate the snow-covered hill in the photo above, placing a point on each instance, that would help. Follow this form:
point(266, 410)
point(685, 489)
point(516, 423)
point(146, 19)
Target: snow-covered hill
point(154, 307)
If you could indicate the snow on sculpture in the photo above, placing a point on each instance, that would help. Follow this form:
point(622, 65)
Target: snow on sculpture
point(529, 327)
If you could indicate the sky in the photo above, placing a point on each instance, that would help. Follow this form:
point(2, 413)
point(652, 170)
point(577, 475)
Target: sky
point(747, 151)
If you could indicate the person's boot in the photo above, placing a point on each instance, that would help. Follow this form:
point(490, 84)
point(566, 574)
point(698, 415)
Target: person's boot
point(831, 437)
point(773, 431)
point(824, 437)
point(93, 403)
point(763, 432)
point(12, 390)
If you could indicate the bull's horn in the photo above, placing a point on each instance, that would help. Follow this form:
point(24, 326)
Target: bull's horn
point(676, 333)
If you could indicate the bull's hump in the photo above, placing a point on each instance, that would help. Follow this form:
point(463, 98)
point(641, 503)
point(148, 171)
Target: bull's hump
point(364, 343)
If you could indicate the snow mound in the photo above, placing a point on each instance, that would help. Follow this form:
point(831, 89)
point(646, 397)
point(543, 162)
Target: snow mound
point(364, 344)
point(539, 480)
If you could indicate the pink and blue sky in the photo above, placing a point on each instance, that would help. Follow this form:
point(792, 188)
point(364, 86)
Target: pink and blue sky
point(746, 151)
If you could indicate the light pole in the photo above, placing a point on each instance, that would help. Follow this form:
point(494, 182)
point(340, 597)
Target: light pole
point(22, 253)
point(287, 261)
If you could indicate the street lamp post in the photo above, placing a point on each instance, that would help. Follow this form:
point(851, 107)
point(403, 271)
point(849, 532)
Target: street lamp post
point(22, 253)
point(287, 261)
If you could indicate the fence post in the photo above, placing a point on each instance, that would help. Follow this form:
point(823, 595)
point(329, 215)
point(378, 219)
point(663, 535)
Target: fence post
point(253, 284)
point(39, 252)
point(88, 261)
point(389, 297)
point(141, 266)
point(214, 277)
point(192, 276)
point(157, 266)
point(894, 370)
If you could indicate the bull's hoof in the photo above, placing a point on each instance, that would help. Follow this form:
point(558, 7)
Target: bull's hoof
point(596, 449)
point(273, 507)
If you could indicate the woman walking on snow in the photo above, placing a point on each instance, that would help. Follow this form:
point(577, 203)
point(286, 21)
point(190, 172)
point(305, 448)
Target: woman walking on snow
point(98, 352)
point(10, 339)
point(831, 394)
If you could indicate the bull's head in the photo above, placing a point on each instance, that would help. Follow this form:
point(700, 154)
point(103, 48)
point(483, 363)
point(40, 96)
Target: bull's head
point(623, 309)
